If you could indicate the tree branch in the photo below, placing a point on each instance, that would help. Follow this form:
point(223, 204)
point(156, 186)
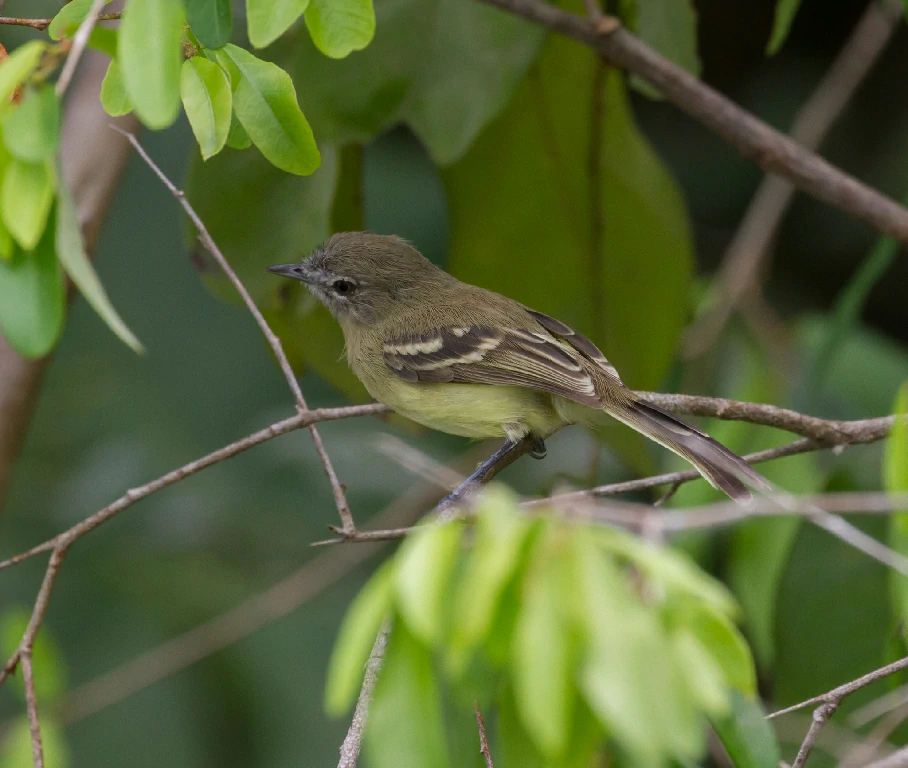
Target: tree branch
point(771, 150)
point(42, 24)
point(353, 742)
point(483, 738)
point(340, 498)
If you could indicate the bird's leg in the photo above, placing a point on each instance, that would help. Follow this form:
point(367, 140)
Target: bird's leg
point(506, 455)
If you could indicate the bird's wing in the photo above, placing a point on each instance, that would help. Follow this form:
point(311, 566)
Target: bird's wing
point(550, 360)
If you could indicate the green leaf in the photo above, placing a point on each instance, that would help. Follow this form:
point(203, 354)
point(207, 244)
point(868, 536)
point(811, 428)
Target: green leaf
point(71, 252)
point(355, 640)
point(237, 138)
point(339, 27)
point(267, 20)
point(114, 99)
point(47, 659)
point(32, 131)
point(264, 100)
point(32, 298)
point(669, 27)
point(104, 39)
point(747, 735)
point(608, 291)
point(405, 728)
point(16, 67)
point(25, 200)
point(786, 10)
point(895, 480)
point(211, 21)
point(544, 655)
point(150, 55)
point(69, 18)
point(6, 242)
point(208, 102)
point(424, 565)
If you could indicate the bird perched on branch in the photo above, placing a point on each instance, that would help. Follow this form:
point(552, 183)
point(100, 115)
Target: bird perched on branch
point(471, 362)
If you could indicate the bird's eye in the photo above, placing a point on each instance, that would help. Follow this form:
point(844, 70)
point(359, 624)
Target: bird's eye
point(343, 287)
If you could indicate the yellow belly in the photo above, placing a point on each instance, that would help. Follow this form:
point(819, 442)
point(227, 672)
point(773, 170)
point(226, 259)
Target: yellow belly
point(474, 410)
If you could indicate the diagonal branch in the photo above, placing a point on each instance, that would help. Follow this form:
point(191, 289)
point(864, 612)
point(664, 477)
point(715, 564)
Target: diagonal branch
point(770, 149)
point(340, 498)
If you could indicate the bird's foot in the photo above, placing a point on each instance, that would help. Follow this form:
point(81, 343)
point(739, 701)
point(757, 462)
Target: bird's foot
point(538, 450)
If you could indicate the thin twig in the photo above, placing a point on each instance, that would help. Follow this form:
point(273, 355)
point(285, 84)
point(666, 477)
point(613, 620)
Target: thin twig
point(771, 150)
point(42, 24)
point(483, 738)
point(743, 260)
point(897, 759)
point(78, 47)
point(340, 497)
point(31, 707)
point(353, 742)
point(821, 716)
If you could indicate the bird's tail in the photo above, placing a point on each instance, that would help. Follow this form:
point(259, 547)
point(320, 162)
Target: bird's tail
point(722, 469)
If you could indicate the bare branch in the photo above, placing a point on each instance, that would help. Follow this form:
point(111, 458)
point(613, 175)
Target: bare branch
point(340, 498)
point(483, 738)
point(31, 707)
point(42, 24)
point(771, 150)
point(353, 743)
point(743, 259)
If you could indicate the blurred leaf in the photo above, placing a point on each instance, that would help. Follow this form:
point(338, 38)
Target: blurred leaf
point(104, 39)
point(786, 10)
point(47, 660)
point(16, 746)
point(339, 27)
point(265, 103)
point(16, 67)
point(355, 640)
point(6, 242)
point(405, 728)
point(347, 214)
point(540, 144)
point(32, 298)
point(544, 653)
point(669, 27)
point(267, 20)
point(150, 55)
point(424, 565)
point(113, 93)
point(208, 101)
point(32, 131)
point(25, 201)
point(747, 735)
point(237, 138)
point(69, 18)
point(444, 67)
point(895, 480)
point(702, 673)
point(71, 253)
point(211, 21)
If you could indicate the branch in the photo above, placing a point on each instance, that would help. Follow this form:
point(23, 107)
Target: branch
point(750, 246)
point(483, 739)
point(42, 24)
point(353, 742)
point(31, 707)
point(340, 498)
point(771, 150)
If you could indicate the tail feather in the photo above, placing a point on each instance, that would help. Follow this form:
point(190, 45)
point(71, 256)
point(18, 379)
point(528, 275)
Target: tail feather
point(722, 469)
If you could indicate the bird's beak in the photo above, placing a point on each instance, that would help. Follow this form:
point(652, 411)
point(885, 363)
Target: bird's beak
point(295, 271)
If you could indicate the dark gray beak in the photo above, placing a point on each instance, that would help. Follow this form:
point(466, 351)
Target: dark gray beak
point(295, 271)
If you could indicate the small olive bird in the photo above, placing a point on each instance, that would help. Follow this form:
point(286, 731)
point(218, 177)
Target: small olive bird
point(464, 360)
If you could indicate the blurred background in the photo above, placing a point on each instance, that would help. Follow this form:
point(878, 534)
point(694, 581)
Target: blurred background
point(817, 613)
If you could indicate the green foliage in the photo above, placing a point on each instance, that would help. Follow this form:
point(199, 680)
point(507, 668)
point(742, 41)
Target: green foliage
point(599, 632)
point(26, 200)
point(16, 746)
point(114, 98)
point(208, 101)
point(747, 735)
point(268, 19)
point(669, 26)
point(895, 480)
point(211, 21)
point(786, 10)
point(16, 68)
point(32, 132)
point(150, 54)
point(339, 27)
point(70, 16)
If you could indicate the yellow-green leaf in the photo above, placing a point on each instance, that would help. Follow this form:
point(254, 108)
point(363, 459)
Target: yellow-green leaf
point(208, 102)
point(69, 18)
point(25, 200)
point(32, 130)
point(339, 27)
point(16, 67)
point(267, 20)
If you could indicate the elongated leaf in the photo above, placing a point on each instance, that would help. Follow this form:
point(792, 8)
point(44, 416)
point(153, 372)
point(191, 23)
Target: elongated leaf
point(69, 18)
point(264, 100)
point(31, 298)
point(354, 642)
point(32, 131)
point(747, 735)
point(405, 728)
point(208, 102)
point(211, 21)
point(114, 98)
point(895, 480)
point(339, 27)
point(424, 565)
point(16, 67)
point(786, 10)
point(268, 19)
point(26, 198)
point(150, 55)
point(71, 252)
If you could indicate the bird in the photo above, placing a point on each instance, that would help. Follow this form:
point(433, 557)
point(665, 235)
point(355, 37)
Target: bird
point(465, 360)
